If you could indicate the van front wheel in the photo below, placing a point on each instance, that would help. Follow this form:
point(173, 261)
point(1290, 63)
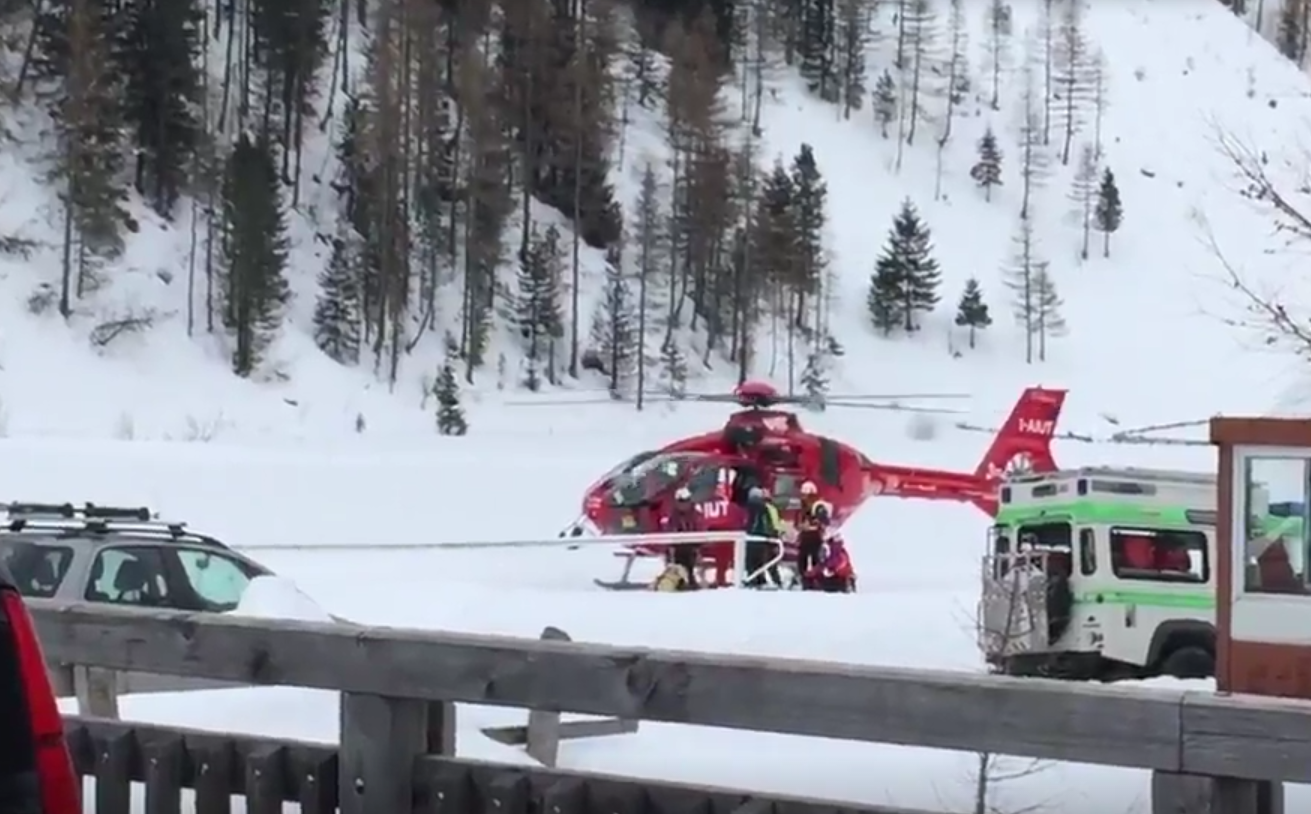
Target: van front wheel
point(1189, 662)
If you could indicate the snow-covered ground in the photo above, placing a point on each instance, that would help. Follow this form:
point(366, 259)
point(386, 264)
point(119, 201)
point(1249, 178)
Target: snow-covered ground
point(918, 565)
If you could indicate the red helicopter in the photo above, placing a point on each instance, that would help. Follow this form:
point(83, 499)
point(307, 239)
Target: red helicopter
point(764, 446)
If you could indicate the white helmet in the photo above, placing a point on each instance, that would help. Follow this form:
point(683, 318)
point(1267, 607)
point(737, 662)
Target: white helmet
point(809, 488)
point(683, 493)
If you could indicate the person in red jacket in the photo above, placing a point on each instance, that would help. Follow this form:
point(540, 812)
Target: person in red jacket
point(834, 572)
point(684, 519)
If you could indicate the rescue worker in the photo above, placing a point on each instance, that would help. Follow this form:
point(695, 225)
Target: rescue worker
point(763, 523)
point(684, 519)
point(810, 532)
point(833, 572)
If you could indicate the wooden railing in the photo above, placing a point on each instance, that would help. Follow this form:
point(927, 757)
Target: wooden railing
point(1210, 753)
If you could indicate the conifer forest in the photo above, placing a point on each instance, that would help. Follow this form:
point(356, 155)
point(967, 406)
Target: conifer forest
point(455, 124)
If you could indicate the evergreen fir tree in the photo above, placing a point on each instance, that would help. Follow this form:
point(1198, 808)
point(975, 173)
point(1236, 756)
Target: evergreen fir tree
point(255, 252)
point(1109, 212)
point(817, 46)
point(673, 370)
point(986, 172)
point(88, 158)
point(450, 413)
point(1289, 36)
point(337, 313)
point(885, 102)
point(814, 376)
point(972, 312)
point(906, 272)
point(884, 298)
point(614, 326)
point(808, 217)
point(537, 306)
point(158, 56)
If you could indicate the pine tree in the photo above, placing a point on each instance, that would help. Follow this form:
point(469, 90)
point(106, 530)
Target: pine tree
point(921, 275)
point(255, 252)
point(88, 159)
point(817, 46)
point(337, 313)
point(450, 413)
point(814, 376)
point(853, 41)
point(614, 331)
point(906, 277)
point(1289, 37)
point(972, 312)
point(885, 102)
point(158, 54)
point(673, 370)
point(1049, 322)
point(986, 172)
point(808, 217)
point(884, 301)
point(1109, 212)
point(1083, 194)
point(537, 306)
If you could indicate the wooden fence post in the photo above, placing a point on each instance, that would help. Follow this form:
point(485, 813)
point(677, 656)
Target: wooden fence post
point(96, 691)
point(381, 738)
point(542, 740)
point(1178, 793)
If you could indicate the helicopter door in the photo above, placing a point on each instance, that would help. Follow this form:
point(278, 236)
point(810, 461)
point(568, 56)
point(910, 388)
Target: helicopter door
point(830, 469)
point(787, 490)
point(744, 477)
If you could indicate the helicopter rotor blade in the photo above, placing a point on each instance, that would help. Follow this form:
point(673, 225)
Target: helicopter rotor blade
point(898, 408)
point(895, 396)
point(563, 402)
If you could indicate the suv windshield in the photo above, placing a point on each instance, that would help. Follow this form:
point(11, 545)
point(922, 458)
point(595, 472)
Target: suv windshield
point(37, 569)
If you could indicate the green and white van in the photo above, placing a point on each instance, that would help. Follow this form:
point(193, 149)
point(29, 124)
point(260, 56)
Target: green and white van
point(1102, 573)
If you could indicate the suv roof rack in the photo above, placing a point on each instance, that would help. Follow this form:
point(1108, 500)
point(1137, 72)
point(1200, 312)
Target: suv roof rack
point(89, 518)
point(69, 511)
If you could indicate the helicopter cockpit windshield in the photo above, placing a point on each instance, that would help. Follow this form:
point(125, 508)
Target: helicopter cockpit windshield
point(653, 476)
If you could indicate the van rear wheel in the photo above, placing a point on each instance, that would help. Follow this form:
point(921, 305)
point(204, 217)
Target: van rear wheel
point(1189, 662)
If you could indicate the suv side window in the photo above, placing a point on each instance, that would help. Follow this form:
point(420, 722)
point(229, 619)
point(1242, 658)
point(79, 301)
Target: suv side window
point(1087, 552)
point(217, 580)
point(1159, 555)
point(37, 569)
point(130, 575)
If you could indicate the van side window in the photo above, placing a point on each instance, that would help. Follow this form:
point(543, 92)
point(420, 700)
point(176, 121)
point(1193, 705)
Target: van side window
point(1159, 555)
point(1087, 552)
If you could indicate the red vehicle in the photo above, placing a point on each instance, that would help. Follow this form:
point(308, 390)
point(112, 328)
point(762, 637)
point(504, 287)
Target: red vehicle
point(36, 771)
point(765, 446)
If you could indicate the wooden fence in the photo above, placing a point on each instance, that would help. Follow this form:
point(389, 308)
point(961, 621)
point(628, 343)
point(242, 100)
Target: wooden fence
point(1209, 753)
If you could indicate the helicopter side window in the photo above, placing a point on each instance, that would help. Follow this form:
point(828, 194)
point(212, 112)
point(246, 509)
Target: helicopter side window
point(786, 490)
point(704, 483)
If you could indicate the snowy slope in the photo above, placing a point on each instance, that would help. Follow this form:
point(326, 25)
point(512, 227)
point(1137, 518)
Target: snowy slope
point(1144, 326)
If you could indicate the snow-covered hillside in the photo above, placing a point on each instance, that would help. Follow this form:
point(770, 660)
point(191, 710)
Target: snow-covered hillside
point(1147, 338)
